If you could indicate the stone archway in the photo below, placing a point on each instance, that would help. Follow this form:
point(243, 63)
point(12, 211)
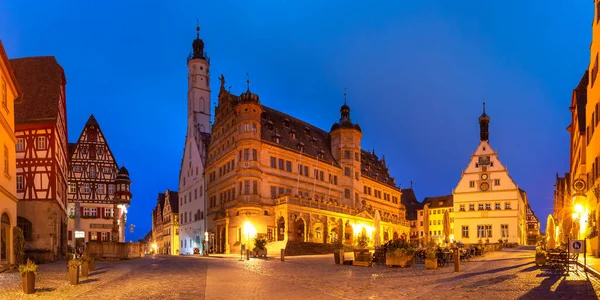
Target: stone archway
point(386, 236)
point(5, 237)
point(395, 235)
point(281, 229)
point(348, 234)
point(317, 232)
point(300, 232)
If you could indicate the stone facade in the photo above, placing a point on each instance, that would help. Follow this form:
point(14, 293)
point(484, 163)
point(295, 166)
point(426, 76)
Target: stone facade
point(274, 176)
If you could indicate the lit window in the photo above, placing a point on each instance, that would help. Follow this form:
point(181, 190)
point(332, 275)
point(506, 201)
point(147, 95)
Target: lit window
point(41, 143)
point(20, 144)
point(507, 205)
point(86, 211)
point(19, 182)
point(471, 206)
point(497, 206)
point(94, 212)
point(71, 188)
point(86, 188)
point(462, 207)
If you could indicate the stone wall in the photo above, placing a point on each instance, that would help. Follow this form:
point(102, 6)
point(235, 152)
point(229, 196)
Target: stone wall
point(114, 250)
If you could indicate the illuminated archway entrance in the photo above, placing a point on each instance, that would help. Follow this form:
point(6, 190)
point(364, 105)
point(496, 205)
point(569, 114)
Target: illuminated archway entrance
point(300, 228)
point(348, 234)
point(5, 237)
point(281, 229)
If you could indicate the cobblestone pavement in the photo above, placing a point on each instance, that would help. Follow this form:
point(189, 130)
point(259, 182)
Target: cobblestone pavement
point(508, 274)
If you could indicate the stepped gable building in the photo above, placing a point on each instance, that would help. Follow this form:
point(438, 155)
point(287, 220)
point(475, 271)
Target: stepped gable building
point(488, 204)
point(10, 94)
point(191, 174)
point(99, 191)
point(42, 154)
point(414, 213)
point(272, 175)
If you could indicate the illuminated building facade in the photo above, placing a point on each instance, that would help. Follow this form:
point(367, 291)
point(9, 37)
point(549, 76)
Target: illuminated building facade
point(10, 93)
point(157, 224)
point(488, 204)
point(170, 223)
point(274, 176)
point(191, 175)
point(42, 154)
point(94, 206)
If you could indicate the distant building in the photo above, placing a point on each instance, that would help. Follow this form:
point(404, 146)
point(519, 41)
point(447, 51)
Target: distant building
point(170, 222)
point(157, 224)
point(414, 213)
point(434, 226)
point(274, 176)
point(10, 94)
point(488, 204)
point(42, 154)
point(533, 226)
point(191, 175)
point(94, 206)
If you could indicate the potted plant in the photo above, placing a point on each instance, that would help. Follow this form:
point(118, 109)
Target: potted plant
point(259, 247)
point(505, 241)
point(73, 266)
point(399, 253)
point(430, 259)
point(85, 265)
point(338, 252)
point(28, 272)
point(362, 255)
point(487, 241)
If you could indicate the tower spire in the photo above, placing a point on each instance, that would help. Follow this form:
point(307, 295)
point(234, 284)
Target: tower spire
point(197, 28)
point(344, 95)
point(248, 80)
point(484, 122)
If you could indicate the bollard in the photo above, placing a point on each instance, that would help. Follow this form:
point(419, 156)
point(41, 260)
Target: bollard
point(457, 260)
point(282, 254)
point(247, 254)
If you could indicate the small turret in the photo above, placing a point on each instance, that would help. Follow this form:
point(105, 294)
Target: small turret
point(484, 123)
point(122, 183)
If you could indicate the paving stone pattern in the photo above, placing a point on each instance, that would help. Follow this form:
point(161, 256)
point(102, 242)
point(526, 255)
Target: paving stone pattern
point(508, 274)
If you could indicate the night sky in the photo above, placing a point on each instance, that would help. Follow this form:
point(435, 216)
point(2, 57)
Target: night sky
point(415, 71)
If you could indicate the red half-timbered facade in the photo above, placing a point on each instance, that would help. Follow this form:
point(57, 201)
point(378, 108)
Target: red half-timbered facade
point(92, 208)
point(42, 153)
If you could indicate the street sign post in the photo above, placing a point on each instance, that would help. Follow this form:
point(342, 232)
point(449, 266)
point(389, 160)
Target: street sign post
point(577, 246)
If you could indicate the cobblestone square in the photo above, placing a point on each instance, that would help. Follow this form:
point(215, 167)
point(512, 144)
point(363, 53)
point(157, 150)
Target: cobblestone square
point(507, 274)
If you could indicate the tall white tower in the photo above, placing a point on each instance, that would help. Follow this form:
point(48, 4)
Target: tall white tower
point(192, 214)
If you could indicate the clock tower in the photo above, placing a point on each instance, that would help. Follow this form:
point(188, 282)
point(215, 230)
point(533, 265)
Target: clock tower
point(488, 204)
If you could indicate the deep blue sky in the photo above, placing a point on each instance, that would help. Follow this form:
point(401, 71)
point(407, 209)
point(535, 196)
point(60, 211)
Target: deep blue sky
point(416, 73)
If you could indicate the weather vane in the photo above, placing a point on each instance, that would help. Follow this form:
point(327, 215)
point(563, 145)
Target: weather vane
point(197, 28)
point(344, 95)
point(248, 80)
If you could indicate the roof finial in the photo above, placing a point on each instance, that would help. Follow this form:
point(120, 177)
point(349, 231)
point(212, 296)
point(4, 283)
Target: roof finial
point(344, 95)
point(248, 80)
point(197, 28)
point(484, 105)
point(411, 184)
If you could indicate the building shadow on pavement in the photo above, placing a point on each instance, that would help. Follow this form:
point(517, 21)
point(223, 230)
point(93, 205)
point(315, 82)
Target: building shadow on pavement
point(88, 280)
point(469, 275)
point(561, 286)
point(97, 272)
point(44, 290)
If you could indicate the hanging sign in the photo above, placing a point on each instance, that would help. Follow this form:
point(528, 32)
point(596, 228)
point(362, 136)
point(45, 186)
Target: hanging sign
point(577, 246)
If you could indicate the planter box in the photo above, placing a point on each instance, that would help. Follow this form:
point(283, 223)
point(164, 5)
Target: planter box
point(338, 256)
point(402, 261)
point(262, 253)
point(74, 275)
point(431, 263)
point(540, 260)
point(28, 282)
point(362, 255)
point(85, 268)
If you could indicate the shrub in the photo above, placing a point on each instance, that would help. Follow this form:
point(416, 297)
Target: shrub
point(28, 267)
point(19, 244)
point(260, 243)
point(363, 241)
point(337, 244)
point(430, 254)
point(400, 247)
point(73, 263)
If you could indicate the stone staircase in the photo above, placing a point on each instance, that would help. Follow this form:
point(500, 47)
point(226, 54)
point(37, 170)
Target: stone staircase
point(299, 248)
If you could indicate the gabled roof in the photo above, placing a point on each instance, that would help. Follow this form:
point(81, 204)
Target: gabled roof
point(313, 139)
point(174, 201)
point(374, 168)
point(72, 147)
point(11, 74)
point(41, 79)
point(439, 201)
point(409, 199)
point(161, 201)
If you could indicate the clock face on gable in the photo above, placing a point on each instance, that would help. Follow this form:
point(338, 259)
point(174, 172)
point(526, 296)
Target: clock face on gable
point(484, 186)
point(484, 160)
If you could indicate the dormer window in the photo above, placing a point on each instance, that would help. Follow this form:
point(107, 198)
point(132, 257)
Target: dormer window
point(300, 147)
point(270, 125)
point(307, 130)
point(276, 138)
point(313, 142)
point(286, 122)
point(293, 134)
point(321, 154)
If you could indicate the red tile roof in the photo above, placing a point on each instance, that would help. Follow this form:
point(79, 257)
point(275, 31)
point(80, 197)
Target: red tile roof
point(40, 79)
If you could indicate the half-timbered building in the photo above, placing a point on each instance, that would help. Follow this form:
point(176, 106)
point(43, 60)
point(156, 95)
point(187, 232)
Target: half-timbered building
point(170, 221)
point(157, 224)
point(42, 154)
point(93, 208)
point(9, 95)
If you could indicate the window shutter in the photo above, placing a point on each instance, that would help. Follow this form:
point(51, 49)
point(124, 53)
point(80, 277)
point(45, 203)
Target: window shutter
point(81, 211)
point(89, 236)
point(70, 235)
point(108, 235)
point(99, 235)
point(102, 212)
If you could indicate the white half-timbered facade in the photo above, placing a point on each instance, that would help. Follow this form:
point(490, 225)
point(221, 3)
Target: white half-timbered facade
point(92, 208)
point(41, 151)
